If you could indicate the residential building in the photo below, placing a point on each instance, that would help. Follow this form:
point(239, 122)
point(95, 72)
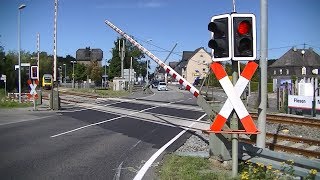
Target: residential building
point(294, 65)
point(194, 65)
point(86, 55)
point(295, 62)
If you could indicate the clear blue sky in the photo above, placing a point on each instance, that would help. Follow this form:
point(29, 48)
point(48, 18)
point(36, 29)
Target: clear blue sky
point(81, 24)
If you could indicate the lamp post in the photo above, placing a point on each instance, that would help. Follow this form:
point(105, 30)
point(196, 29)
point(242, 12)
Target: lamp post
point(105, 74)
point(19, 56)
point(147, 78)
point(73, 73)
point(65, 73)
point(315, 72)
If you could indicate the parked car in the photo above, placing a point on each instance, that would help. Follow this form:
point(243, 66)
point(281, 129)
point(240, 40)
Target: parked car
point(162, 86)
point(182, 87)
point(154, 84)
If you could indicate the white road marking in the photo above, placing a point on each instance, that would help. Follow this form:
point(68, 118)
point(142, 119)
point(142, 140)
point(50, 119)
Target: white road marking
point(101, 122)
point(117, 175)
point(148, 164)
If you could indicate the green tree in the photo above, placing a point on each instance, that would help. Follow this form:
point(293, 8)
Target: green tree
point(94, 71)
point(130, 51)
point(80, 72)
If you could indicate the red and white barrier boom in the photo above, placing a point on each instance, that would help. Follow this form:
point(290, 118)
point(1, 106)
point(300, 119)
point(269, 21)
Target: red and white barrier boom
point(233, 92)
point(168, 69)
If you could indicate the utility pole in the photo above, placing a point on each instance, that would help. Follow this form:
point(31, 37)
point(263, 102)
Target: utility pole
point(234, 122)
point(19, 48)
point(262, 113)
point(121, 54)
point(55, 41)
point(38, 58)
point(130, 79)
point(147, 75)
point(105, 73)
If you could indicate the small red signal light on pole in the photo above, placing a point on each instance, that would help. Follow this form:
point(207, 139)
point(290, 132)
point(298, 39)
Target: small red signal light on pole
point(34, 72)
point(244, 27)
point(243, 37)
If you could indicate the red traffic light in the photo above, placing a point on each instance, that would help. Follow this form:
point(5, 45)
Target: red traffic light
point(244, 27)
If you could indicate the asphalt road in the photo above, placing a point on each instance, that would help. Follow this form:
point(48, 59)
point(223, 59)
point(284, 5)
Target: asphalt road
point(109, 139)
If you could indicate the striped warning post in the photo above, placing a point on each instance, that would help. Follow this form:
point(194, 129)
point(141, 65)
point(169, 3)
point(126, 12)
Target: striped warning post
point(33, 92)
point(234, 101)
point(168, 69)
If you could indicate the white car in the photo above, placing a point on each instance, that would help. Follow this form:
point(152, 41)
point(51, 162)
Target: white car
point(162, 86)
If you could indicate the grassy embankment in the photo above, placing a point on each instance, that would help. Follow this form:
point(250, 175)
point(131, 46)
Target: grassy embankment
point(5, 102)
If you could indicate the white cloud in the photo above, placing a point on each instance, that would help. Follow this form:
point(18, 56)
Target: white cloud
point(130, 4)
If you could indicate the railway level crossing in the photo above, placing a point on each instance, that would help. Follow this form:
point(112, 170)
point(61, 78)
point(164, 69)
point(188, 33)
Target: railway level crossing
point(233, 102)
point(235, 31)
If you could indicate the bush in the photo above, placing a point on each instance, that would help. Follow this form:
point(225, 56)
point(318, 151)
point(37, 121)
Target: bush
point(255, 87)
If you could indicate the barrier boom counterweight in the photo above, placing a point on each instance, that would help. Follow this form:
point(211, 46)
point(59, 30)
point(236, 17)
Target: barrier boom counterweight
point(168, 69)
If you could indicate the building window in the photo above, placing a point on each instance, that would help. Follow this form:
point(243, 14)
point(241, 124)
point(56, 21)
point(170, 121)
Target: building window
point(287, 71)
point(280, 71)
point(201, 55)
point(274, 72)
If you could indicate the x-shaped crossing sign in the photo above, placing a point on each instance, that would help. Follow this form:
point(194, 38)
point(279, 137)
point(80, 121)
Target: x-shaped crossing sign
point(33, 91)
point(234, 101)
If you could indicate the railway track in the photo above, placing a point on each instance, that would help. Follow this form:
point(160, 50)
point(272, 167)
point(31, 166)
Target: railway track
point(294, 145)
point(303, 121)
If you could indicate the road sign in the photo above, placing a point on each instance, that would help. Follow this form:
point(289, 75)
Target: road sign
point(33, 92)
point(3, 78)
point(234, 101)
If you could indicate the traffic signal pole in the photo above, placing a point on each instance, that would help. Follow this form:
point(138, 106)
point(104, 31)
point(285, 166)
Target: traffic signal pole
point(234, 126)
point(262, 111)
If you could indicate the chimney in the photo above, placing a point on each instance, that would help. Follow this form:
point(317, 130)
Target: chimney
point(294, 48)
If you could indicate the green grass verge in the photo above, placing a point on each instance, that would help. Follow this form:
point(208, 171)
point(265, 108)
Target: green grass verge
point(193, 168)
point(255, 86)
point(8, 103)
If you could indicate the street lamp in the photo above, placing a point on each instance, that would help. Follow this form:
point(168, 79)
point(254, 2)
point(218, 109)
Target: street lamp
point(19, 56)
point(147, 78)
point(105, 74)
point(65, 73)
point(73, 73)
point(315, 72)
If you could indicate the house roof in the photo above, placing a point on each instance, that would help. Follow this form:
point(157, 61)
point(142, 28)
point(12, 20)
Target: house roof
point(88, 54)
point(173, 64)
point(186, 56)
point(294, 57)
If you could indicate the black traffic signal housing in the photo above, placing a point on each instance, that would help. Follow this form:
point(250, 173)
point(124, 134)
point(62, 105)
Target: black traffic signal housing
point(220, 42)
point(34, 72)
point(244, 41)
